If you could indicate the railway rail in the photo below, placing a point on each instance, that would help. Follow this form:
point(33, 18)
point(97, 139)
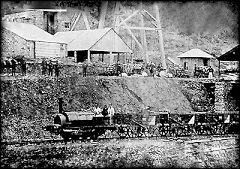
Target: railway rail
point(188, 140)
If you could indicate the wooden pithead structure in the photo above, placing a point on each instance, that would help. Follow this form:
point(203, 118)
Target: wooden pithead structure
point(120, 22)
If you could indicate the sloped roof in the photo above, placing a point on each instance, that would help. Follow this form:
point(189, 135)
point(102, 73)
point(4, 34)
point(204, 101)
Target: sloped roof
point(231, 55)
point(30, 32)
point(195, 53)
point(174, 60)
point(88, 39)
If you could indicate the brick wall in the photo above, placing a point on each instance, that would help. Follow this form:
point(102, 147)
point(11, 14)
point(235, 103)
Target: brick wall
point(13, 45)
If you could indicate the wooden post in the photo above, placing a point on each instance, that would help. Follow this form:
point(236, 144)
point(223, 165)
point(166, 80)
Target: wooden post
point(111, 58)
point(160, 36)
point(116, 23)
point(75, 56)
point(75, 22)
point(103, 14)
point(116, 17)
point(88, 56)
point(118, 57)
point(129, 17)
point(84, 14)
point(135, 39)
point(143, 36)
point(34, 49)
point(219, 73)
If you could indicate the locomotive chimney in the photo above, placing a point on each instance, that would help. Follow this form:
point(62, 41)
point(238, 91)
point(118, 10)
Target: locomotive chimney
point(60, 105)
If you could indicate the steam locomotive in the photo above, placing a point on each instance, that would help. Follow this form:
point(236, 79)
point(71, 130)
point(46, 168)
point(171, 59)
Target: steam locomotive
point(75, 125)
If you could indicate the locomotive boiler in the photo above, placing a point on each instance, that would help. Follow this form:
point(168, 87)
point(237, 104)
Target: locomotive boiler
point(78, 124)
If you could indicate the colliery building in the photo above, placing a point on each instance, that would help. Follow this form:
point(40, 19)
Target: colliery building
point(30, 41)
point(102, 43)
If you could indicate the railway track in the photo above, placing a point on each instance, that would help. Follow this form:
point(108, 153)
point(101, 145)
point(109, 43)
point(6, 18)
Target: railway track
point(195, 139)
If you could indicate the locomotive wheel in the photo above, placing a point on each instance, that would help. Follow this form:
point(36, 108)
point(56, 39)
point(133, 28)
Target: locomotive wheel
point(150, 131)
point(132, 131)
point(173, 132)
point(162, 131)
point(199, 130)
point(223, 129)
point(156, 132)
point(218, 129)
point(122, 131)
point(179, 131)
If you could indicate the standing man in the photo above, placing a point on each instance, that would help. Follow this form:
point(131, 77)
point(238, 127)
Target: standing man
point(97, 110)
point(85, 65)
point(105, 111)
point(210, 72)
point(57, 71)
point(50, 68)
point(14, 64)
point(111, 112)
point(2, 65)
point(44, 66)
point(24, 67)
point(8, 65)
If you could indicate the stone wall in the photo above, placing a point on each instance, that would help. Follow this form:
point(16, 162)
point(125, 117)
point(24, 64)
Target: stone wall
point(37, 18)
point(219, 97)
point(226, 97)
point(13, 45)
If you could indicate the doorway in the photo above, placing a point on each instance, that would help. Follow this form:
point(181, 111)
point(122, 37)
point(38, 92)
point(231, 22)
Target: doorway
point(205, 62)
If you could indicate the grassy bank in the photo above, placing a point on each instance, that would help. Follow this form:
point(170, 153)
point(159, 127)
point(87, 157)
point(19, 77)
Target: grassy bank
point(121, 154)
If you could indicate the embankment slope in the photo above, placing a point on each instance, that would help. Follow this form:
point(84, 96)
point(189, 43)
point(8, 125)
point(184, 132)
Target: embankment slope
point(29, 104)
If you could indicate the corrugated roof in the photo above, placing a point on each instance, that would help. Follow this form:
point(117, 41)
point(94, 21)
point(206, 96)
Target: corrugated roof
point(85, 39)
point(195, 53)
point(82, 39)
point(30, 32)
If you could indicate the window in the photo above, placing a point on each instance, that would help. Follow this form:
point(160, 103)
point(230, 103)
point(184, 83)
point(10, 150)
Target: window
point(67, 25)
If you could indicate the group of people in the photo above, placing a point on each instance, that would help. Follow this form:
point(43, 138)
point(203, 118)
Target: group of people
point(48, 67)
point(203, 71)
point(105, 111)
point(12, 64)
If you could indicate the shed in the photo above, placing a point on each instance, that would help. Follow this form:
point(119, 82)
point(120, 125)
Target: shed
point(83, 43)
point(232, 55)
point(195, 57)
point(30, 41)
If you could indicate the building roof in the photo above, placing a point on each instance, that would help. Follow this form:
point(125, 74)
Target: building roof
point(47, 10)
point(30, 32)
point(174, 60)
point(94, 40)
point(232, 55)
point(195, 53)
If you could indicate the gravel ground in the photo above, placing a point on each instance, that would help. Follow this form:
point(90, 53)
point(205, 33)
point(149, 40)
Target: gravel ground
point(123, 154)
